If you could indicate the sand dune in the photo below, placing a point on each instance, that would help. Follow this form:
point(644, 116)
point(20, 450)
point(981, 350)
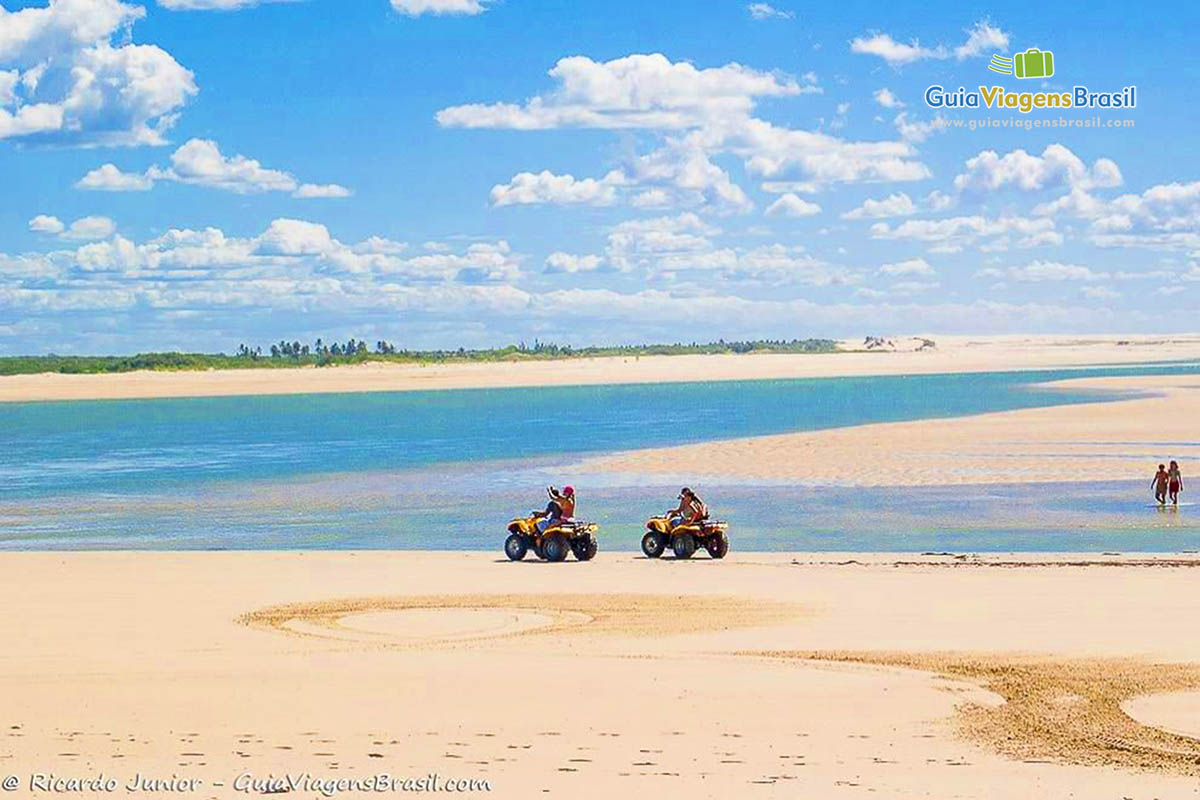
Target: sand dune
point(542, 680)
point(953, 354)
point(1111, 441)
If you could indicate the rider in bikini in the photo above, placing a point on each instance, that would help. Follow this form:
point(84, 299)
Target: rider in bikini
point(1174, 482)
point(691, 509)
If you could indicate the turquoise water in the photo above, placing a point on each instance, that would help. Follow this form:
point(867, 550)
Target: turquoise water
point(446, 469)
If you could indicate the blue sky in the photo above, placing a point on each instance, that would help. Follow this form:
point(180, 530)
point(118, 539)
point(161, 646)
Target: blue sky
point(197, 173)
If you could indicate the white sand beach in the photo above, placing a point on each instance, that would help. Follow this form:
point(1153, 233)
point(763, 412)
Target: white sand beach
point(952, 354)
point(1074, 443)
point(622, 676)
point(768, 675)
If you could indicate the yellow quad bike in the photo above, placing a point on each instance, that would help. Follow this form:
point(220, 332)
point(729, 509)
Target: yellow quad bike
point(684, 539)
point(553, 544)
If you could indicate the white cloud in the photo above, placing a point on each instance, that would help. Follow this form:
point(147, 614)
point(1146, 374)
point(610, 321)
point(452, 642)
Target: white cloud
point(913, 266)
point(774, 264)
point(939, 201)
point(893, 52)
point(415, 8)
point(669, 175)
point(83, 229)
point(637, 91)
point(44, 223)
point(292, 252)
point(634, 243)
point(651, 198)
point(894, 205)
point(79, 87)
point(689, 176)
point(1182, 240)
point(310, 190)
point(779, 264)
point(790, 205)
point(1043, 272)
point(1163, 217)
point(482, 262)
point(30, 119)
point(886, 99)
point(560, 262)
point(783, 187)
point(108, 178)
point(34, 266)
point(954, 233)
point(1100, 293)
point(214, 5)
point(761, 11)
point(672, 246)
point(527, 188)
point(294, 237)
point(915, 130)
point(909, 288)
point(89, 228)
point(774, 152)
point(199, 162)
point(699, 115)
point(469, 295)
point(8, 86)
point(1056, 166)
point(982, 38)
point(380, 245)
point(1169, 207)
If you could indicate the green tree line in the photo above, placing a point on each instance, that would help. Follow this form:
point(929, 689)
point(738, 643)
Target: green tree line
point(284, 354)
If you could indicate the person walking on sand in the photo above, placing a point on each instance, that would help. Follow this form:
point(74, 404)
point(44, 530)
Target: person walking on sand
point(1174, 482)
point(1160, 483)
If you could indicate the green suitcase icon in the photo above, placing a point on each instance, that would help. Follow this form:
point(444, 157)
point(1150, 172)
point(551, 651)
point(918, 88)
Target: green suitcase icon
point(1034, 63)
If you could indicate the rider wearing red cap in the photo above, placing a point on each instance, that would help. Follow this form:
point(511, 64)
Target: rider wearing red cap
point(561, 507)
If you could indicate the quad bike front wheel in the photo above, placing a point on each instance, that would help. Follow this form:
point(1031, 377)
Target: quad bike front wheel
point(585, 548)
point(717, 545)
point(554, 548)
point(515, 547)
point(653, 544)
point(684, 545)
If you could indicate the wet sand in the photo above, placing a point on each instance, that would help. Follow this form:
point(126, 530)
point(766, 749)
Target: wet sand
point(1113, 441)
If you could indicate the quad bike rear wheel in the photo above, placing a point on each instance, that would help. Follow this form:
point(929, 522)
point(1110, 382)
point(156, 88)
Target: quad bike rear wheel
point(554, 547)
point(585, 547)
point(515, 547)
point(653, 544)
point(717, 544)
point(684, 545)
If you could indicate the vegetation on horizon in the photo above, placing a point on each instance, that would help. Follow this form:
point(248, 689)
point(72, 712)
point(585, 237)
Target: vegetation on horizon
point(285, 354)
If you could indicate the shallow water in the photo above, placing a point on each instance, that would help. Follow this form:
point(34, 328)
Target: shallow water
point(445, 470)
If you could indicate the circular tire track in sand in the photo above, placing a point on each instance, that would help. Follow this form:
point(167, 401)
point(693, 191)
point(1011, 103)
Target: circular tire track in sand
point(427, 621)
point(1067, 710)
